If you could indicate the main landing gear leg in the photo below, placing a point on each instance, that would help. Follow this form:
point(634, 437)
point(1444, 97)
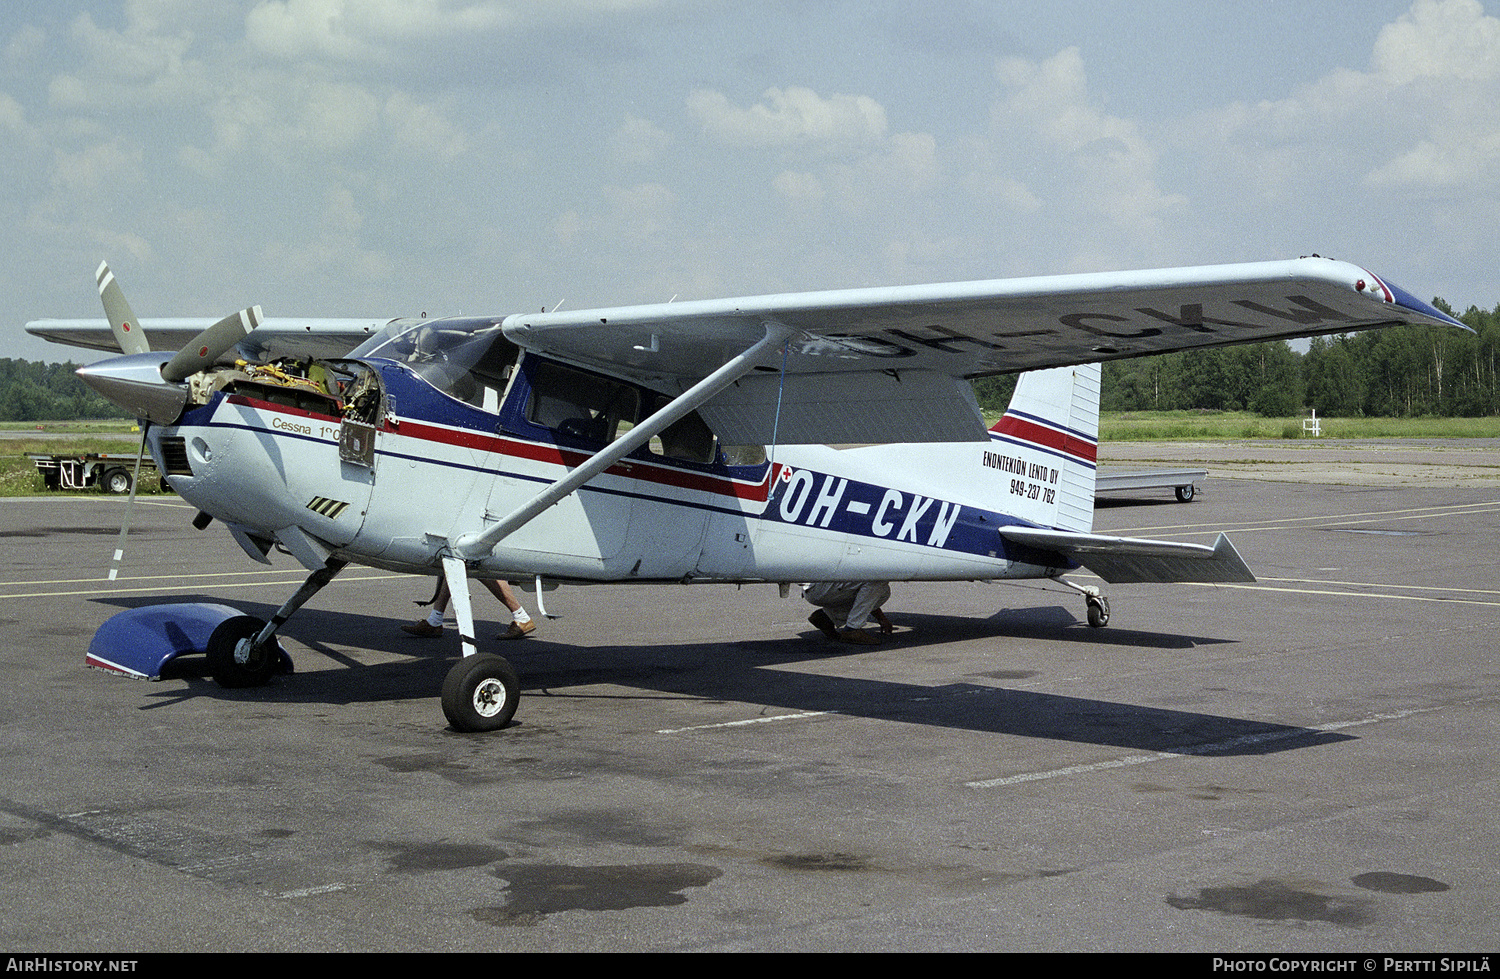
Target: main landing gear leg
point(243, 651)
point(482, 691)
point(1098, 605)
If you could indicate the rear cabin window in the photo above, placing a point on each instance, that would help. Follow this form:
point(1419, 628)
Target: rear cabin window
point(689, 437)
point(581, 406)
point(589, 408)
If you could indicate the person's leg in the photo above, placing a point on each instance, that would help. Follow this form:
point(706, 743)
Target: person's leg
point(432, 625)
point(870, 596)
point(520, 619)
point(833, 601)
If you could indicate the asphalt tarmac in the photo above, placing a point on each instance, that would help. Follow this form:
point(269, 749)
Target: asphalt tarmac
point(1305, 764)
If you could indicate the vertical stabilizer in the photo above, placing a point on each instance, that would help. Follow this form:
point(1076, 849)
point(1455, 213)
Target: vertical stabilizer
point(1051, 433)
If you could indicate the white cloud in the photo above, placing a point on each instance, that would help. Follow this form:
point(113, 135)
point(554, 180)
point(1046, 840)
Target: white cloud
point(130, 68)
point(385, 31)
point(567, 227)
point(341, 213)
point(423, 128)
point(1439, 39)
point(110, 167)
point(638, 141)
point(642, 207)
point(900, 169)
point(26, 48)
point(791, 117)
point(1423, 119)
point(802, 188)
point(1439, 67)
point(13, 121)
point(1055, 155)
point(854, 164)
point(366, 30)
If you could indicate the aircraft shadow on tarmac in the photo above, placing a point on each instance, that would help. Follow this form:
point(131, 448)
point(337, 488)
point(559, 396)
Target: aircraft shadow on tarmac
point(745, 671)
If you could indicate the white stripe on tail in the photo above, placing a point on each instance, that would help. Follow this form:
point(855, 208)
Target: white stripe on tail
point(1053, 424)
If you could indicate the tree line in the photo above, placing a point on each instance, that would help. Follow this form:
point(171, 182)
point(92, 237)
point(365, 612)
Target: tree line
point(1400, 372)
point(36, 391)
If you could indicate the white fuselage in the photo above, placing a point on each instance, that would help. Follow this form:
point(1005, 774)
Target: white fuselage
point(897, 512)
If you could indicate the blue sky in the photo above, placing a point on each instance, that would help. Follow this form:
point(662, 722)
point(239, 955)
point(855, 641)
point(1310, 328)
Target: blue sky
point(393, 157)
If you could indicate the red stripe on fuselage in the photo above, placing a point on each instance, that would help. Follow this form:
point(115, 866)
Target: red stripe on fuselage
point(260, 405)
point(1014, 427)
point(544, 452)
point(629, 468)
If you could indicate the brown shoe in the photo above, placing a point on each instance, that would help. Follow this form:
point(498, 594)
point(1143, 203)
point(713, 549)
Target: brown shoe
point(824, 623)
point(423, 629)
point(518, 630)
point(860, 637)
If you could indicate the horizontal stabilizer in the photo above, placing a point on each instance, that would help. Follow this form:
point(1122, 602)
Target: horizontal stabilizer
point(1129, 560)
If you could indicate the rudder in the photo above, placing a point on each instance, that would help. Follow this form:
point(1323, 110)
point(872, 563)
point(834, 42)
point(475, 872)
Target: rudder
point(1051, 429)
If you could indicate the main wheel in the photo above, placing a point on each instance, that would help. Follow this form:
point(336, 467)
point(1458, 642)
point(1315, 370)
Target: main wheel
point(481, 693)
point(259, 664)
point(1098, 612)
point(1185, 493)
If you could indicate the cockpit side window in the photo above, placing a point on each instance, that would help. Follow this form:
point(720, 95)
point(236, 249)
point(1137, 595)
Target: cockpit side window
point(581, 406)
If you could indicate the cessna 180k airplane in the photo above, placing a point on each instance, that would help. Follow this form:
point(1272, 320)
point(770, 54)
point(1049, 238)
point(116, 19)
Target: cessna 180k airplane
point(678, 442)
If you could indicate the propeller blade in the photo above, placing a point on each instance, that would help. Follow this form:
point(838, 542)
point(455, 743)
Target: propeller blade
point(210, 344)
point(127, 329)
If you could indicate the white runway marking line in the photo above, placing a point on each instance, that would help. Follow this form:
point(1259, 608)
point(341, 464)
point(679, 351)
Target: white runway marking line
point(1398, 585)
point(157, 577)
point(746, 721)
point(308, 891)
point(1332, 520)
point(1376, 591)
point(1189, 750)
point(174, 586)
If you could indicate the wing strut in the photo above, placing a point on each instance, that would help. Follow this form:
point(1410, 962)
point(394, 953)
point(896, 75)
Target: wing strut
point(476, 546)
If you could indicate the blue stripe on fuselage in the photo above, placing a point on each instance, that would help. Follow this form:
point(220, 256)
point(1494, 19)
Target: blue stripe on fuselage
point(847, 506)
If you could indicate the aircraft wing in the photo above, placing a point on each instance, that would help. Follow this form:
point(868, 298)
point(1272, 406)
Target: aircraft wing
point(283, 337)
point(892, 364)
point(1130, 560)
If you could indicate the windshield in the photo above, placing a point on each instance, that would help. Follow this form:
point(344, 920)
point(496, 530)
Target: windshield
point(465, 358)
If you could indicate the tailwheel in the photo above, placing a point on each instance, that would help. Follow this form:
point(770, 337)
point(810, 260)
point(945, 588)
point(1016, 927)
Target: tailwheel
point(481, 693)
point(234, 658)
point(1098, 605)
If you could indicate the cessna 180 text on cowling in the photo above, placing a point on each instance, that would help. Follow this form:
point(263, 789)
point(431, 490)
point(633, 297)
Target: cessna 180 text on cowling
point(679, 442)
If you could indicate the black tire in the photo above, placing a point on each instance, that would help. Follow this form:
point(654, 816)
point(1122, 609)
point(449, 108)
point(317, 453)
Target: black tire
point(117, 481)
point(1185, 493)
point(258, 668)
point(481, 693)
point(1098, 612)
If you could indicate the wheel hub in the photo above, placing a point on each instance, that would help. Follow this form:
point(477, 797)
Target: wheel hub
point(489, 698)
